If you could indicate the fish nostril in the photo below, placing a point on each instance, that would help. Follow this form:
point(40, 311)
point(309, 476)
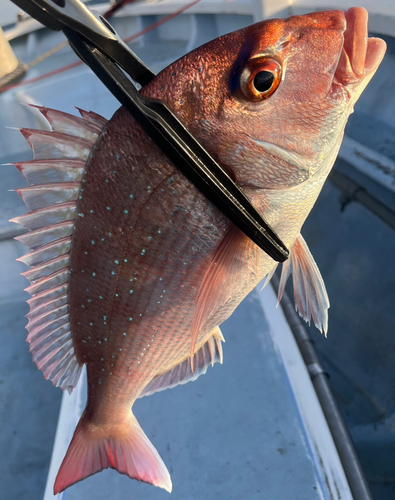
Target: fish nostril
point(283, 45)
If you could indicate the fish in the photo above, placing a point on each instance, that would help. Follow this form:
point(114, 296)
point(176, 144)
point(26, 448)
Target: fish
point(132, 270)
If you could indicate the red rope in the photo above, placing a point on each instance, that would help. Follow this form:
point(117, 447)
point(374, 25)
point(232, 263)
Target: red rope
point(41, 77)
point(162, 21)
point(127, 40)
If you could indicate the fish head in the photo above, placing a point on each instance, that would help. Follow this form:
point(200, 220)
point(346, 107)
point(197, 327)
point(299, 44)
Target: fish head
point(270, 101)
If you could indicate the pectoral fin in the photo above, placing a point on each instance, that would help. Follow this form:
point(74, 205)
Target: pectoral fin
point(311, 299)
point(230, 273)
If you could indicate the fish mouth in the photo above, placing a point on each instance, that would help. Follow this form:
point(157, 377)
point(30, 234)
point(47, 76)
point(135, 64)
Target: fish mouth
point(360, 55)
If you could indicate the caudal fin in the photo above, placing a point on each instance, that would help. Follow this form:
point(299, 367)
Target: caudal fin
point(125, 449)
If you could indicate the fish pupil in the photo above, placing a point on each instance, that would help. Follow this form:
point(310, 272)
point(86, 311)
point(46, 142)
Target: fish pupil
point(263, 81)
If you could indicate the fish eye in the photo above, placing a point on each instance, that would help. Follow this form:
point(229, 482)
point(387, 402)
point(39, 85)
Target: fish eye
point(260, 78)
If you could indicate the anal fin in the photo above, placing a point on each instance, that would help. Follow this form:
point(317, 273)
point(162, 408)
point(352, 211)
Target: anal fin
point(208, 354)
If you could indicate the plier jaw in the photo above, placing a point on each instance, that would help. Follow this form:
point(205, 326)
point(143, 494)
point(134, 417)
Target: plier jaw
point(95, 41)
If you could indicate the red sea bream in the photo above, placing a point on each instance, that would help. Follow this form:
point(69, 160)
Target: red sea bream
point(132, 269)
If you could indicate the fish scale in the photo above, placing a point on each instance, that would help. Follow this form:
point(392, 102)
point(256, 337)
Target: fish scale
point(147, 298)
point(133, 269)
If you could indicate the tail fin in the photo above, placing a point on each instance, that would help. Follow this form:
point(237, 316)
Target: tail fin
point(125, 449)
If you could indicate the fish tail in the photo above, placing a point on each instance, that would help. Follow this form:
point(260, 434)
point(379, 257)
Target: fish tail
point(122, 447)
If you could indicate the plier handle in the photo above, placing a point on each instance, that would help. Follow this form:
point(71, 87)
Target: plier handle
point(95, 41)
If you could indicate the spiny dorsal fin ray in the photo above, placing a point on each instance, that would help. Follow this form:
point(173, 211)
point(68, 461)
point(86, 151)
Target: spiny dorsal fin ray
point(47, 317)
point(40, 237)
point(49, 267)
point(50, 145)
point(311, 298)
point(208, 354)
point(45, 195)
point(68, 124)
point(47, 216)
point(42, 309)
point(51, 281)
point(45, 298)
point(50, 171)
point(47, 252)
point(54, 175)
point(94, 120)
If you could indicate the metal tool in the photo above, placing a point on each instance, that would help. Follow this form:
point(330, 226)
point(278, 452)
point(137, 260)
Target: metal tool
point(98, 45)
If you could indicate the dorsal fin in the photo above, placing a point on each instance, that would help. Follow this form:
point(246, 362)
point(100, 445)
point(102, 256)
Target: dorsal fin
point(311, 298)
point(208, 354)
point(69, 124)
point(54, 177)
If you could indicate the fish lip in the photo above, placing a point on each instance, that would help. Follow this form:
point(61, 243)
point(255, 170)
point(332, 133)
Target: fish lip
point(360, 55)
point(356, 38)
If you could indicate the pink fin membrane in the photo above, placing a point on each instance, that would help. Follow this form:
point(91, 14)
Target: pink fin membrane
point(208, 354)
point(124, 448)
point(54, 175)
point(311, 299)
point(226, 273)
